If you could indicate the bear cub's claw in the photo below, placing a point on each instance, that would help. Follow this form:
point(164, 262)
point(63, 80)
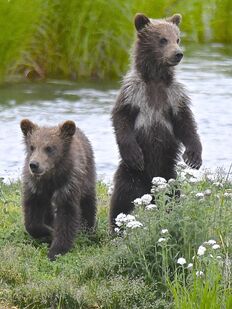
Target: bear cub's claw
point(192, 159)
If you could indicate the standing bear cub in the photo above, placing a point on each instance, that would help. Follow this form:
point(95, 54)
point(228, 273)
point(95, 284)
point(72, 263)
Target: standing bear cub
point(58, 184)
point(152, 117)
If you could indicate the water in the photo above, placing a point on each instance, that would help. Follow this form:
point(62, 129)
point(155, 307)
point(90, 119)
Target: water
point(206, 72)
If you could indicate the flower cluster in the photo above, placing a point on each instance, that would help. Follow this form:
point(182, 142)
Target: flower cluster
point(201, 195)
point(128, 221)
point(151, 206)
point(165, 233)
point(159, 184)
point(211, 244)
point(143, 200)
point(186, 174)
point(181, 261)
point(228, 194)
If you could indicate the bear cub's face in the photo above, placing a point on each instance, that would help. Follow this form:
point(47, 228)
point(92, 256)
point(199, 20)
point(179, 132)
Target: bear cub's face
point(159, 39)
point(45, 147)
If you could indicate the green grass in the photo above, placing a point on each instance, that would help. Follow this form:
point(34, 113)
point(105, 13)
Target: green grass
point(92, 39)
point(134, 270)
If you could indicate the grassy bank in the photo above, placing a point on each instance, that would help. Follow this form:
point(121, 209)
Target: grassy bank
point(91, 39)
point(139, 269)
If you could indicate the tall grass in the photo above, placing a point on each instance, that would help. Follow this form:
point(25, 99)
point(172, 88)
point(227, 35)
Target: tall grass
point(91, 39)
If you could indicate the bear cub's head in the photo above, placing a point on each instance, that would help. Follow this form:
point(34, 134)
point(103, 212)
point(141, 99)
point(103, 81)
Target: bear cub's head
point(46, 146)
point(158, 39)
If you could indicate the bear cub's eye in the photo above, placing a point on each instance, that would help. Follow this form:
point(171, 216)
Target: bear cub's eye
point(32, 148)
point(163, 41)
point(178, 41)
point(49, 149)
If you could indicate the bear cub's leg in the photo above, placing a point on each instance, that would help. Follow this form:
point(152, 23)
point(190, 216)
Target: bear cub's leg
point(67, 224)
point(35, 209)
point(129, 185)
point(88, 210)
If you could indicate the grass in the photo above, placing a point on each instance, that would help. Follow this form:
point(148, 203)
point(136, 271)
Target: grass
point(92, 39)
point(135, 270)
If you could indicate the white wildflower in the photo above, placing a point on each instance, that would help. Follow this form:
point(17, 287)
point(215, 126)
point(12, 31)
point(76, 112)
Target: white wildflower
point(181, 261)
point(161, 239)
point(218, 257)
point(163, 187)
point(130, 218)
point(146, 199)
point(157, 181)
point(190, 266)
point(138, 201)
point(134, 224)
point(199, 195)
point(218, 184)
point(210, 242)
point(117, 230)
point(110, 190)
point(199, 273)
point(193, 180)
point(216, 246)
point(182, 196)
point(201, 250)
point(228, 194)
point(187, 174)
point(181, 165)
point(171, 181)
point(207, 192)
point(160, 188)
point(210, 177)
point(151, 206)
point(164, 231)
point(122, 219)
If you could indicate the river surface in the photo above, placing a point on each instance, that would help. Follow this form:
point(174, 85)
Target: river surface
point(206, 71)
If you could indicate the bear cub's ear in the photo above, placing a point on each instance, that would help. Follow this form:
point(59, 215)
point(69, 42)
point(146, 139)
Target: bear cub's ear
point(67, 129)
point(175, 19)
point(141, 21)
point(27, 126)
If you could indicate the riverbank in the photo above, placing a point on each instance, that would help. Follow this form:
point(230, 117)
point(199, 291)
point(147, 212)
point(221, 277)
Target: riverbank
point(179, 256)
point(91, 39)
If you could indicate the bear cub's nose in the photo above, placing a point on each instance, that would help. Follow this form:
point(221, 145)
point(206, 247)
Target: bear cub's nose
point(34, 166)
point(179, 56)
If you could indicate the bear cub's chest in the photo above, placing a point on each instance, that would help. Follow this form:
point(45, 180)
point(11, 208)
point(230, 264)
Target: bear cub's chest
point(155, 108)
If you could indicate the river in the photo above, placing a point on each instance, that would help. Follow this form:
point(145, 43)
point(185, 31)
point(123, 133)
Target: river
point(205, 70)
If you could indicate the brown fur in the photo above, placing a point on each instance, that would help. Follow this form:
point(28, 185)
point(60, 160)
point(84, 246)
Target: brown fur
point(58, 184)
point(152, 118)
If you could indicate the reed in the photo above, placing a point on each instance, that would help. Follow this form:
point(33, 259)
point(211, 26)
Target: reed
point(91, 39)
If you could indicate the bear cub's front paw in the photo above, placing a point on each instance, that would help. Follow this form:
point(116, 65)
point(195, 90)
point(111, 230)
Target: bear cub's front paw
point(192, 158)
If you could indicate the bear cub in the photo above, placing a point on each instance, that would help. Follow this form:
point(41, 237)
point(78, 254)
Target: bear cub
point(152, 118)
point(59, 198)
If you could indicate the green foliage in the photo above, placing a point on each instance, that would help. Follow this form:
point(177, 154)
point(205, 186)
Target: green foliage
point(92, 39)
point(135, 270)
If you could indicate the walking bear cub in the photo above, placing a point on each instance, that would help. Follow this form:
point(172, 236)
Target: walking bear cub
point(58, 184)
point(152, 117)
